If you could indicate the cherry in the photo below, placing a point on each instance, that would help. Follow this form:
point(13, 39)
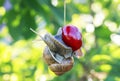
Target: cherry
point(72, 37)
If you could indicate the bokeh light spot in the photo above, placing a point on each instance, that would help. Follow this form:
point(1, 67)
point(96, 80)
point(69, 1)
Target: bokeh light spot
point(90, 28)
point(54, 2)
point(2, 11)
point(115, 38)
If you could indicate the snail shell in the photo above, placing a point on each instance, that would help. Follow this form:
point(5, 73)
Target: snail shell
point(65, 66)
point(58, 66)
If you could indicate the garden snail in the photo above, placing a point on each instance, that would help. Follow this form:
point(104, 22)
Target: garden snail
point(58, 53)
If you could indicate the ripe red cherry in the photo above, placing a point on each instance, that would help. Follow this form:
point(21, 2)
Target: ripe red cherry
point(72, 37)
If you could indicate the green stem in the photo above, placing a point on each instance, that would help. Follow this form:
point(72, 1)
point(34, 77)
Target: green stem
point(64, 12)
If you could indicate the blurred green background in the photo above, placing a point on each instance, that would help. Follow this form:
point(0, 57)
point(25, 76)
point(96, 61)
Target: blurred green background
point(21, 50)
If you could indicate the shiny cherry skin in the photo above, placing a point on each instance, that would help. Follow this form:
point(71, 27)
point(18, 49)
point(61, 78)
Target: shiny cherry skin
point(72, 37)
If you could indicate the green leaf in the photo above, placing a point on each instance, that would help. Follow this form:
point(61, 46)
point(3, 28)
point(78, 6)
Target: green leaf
point(1, 2)
point(103, 34)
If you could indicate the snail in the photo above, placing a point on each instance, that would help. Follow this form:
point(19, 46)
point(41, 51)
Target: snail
point(57, 54)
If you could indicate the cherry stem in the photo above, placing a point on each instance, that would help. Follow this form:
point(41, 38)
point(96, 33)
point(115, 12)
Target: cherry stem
point(37, 33)
point(64, 12)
